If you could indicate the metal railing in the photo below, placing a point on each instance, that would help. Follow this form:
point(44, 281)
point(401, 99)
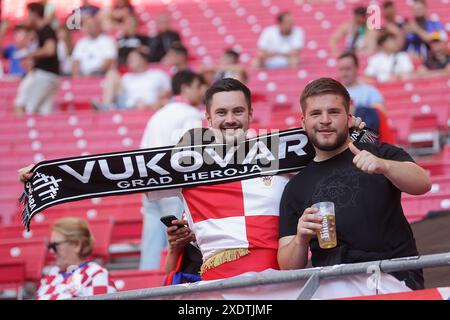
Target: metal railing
point(313, 277)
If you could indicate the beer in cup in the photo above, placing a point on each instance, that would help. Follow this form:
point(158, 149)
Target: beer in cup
point(326, 235)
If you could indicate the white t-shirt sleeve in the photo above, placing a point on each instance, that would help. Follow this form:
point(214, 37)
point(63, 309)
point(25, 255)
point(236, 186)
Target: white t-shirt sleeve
point(145, 141)
point(371, 69)
point(124, 80)
point(299, 39)
point(164, 82)
point(109, 48)
point(78, 50)
point(264, 39)
point(405, 64)
point(157, 195)
point(190, 122)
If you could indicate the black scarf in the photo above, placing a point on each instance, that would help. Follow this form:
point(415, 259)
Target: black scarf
point(196, 160)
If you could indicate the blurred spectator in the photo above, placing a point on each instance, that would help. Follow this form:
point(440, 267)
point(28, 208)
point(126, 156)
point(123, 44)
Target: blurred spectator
point(131, 40)
point(37, 90)
point(18, 50)
point(73, 275)
point(165, 37)
point(229, 67)
point(355, 35)
point(393, 23)
point(95, 53)
point(64, 48)
point(87, 9)
point(50, 14)
point(362, 94)
point(279, 45)
point(438, 60)
point(420, 29)
point(114, 18)
point(389, 64)
point(4, 25)
point(164, 128)
point(366, 99)
point(140, 88)
point(177, 58)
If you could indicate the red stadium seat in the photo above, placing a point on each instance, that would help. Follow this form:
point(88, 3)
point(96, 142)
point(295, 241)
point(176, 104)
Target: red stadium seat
point(137, 279)
point(424, 133)
point(12, 277)
point(32, 252)
point(101, 230)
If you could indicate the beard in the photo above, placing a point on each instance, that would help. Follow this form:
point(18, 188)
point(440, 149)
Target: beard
point(339, 141)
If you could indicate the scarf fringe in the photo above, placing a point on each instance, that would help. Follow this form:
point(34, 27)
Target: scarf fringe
point(25, 214)
point(368, 136)
point(222, 257)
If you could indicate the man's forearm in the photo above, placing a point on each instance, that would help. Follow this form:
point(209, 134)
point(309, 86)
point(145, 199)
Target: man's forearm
point(106, 65)
point(76, 70)
point(172, 260)
point(41, 53)
point(294, 255)
point(408, 177)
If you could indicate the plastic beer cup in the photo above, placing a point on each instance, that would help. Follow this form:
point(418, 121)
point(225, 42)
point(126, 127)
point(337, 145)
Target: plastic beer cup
point(326, 235)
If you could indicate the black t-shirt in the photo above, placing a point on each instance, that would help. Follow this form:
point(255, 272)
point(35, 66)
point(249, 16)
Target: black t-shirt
point(161, 43)
point(49, 64)
point(434, 63)
point(126, 44)
point(370, 222)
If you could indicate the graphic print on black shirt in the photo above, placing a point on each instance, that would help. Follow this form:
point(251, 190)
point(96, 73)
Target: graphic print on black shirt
point(341, 187)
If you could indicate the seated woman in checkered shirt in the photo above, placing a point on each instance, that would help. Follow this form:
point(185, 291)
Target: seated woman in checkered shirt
point(73, 275)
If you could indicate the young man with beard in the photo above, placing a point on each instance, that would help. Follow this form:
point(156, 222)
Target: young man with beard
point(365, 182)
point(235, 223)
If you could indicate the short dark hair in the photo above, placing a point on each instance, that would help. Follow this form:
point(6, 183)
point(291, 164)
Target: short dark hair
point(179, 48)
point(388, 4)
point(351, 55)
point(424, 2)
point(227, 85)
point(384, 37)
point(23, 27)
point(232, 53)
point(282, 15)
point(360, 11)
point(184, 77)
point(323, 86)
point(37, 8)
point(142, 52)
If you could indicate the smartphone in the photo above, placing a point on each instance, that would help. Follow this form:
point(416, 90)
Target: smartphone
point(167, 220)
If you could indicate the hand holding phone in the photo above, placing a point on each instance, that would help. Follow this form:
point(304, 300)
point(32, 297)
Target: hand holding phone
point(178, 234)
point(167, 220)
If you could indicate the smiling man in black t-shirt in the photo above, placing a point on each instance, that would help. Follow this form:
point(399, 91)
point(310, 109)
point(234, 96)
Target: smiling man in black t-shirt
point(365, 182)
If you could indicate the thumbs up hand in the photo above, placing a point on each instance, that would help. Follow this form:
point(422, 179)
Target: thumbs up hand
point(367, 162)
